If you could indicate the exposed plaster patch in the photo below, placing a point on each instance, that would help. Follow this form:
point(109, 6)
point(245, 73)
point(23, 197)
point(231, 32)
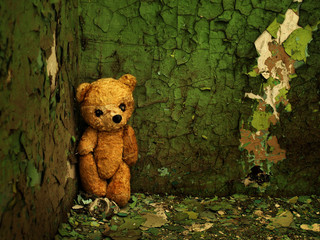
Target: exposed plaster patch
point(71, 171)
point(253, 96)
point(262, 46)
point(278, 71)
point(274, 62)
point(289, 24)
point(265, 40)
point(52, 65)
point(9, 77)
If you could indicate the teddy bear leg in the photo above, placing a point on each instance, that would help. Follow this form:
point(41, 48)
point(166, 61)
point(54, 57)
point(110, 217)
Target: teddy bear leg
point(119, 187)
point(90, 179)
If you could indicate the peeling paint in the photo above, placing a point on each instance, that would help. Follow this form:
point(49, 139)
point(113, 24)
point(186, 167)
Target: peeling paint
point(52, 65)
point(71, 172)
point(260, 120)
point(273, 68)
point(263, 146)
point(262, 46)
point(275, 65)
point(296, 44)
point(288, 26)
point(279, 46)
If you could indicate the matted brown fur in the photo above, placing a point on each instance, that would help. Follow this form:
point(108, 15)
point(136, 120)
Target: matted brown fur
point(108, 146)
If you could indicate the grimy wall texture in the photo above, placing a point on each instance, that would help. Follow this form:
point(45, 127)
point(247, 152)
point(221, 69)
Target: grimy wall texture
point(223, 86)
point(207, 109)
point(38, 69)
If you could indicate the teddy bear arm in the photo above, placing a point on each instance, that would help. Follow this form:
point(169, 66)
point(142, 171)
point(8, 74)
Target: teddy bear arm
point(88, 141)
point(130, 146)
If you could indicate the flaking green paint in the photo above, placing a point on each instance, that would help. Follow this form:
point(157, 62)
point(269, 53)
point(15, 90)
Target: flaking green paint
point(260, 120)
point(273, 28)
point(297, 47)
point(34, 167)
point(296, 44)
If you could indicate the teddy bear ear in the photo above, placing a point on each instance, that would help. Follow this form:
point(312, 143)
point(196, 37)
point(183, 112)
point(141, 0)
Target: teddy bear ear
point(82, 90)
point(128, 80)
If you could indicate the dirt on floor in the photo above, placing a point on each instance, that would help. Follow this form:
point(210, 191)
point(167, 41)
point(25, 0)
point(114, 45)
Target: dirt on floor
point(173, 217)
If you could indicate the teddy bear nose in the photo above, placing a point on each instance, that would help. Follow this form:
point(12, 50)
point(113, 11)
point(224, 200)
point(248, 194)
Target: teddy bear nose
point(117, 118)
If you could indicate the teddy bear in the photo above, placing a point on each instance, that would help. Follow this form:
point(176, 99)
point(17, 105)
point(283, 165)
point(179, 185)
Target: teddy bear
point(108, 147)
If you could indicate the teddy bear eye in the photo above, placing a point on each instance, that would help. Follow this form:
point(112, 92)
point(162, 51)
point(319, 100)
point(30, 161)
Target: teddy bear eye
point(122, 106)
point(98, 112)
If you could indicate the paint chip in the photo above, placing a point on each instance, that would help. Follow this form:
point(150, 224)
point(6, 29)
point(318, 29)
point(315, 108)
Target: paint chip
point(52, 65)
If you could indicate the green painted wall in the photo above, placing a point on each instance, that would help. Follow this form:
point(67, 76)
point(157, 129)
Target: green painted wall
point(37, 121)
point(193, 61)
point(196, 63)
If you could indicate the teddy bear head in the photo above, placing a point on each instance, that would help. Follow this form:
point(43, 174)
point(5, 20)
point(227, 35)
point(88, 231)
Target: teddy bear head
point(107, 104)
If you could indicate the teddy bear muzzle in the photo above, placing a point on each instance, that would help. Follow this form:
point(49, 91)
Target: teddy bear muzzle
point(117, 118)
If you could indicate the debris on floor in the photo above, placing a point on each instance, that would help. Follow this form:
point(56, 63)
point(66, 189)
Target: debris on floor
point(171, 217)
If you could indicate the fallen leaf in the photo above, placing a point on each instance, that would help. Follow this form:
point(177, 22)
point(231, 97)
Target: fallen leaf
point(153, 220)
point(94, 224)
point(216, 206)
point(240, 197)
point(75, 207)
point(192, 215)
point(283, 220)
point(122, 214)
point(207, 215)
point(180, 216)
point(258, 213)
point(196, 227)
point(314, 227)
point(221, 212)
point(293, 200)
point(131, 223)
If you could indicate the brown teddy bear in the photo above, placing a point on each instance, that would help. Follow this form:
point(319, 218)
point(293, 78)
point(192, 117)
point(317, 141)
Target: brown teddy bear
point(108, 146)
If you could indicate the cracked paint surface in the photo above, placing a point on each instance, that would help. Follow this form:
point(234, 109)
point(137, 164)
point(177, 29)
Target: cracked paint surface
point(191, 59)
